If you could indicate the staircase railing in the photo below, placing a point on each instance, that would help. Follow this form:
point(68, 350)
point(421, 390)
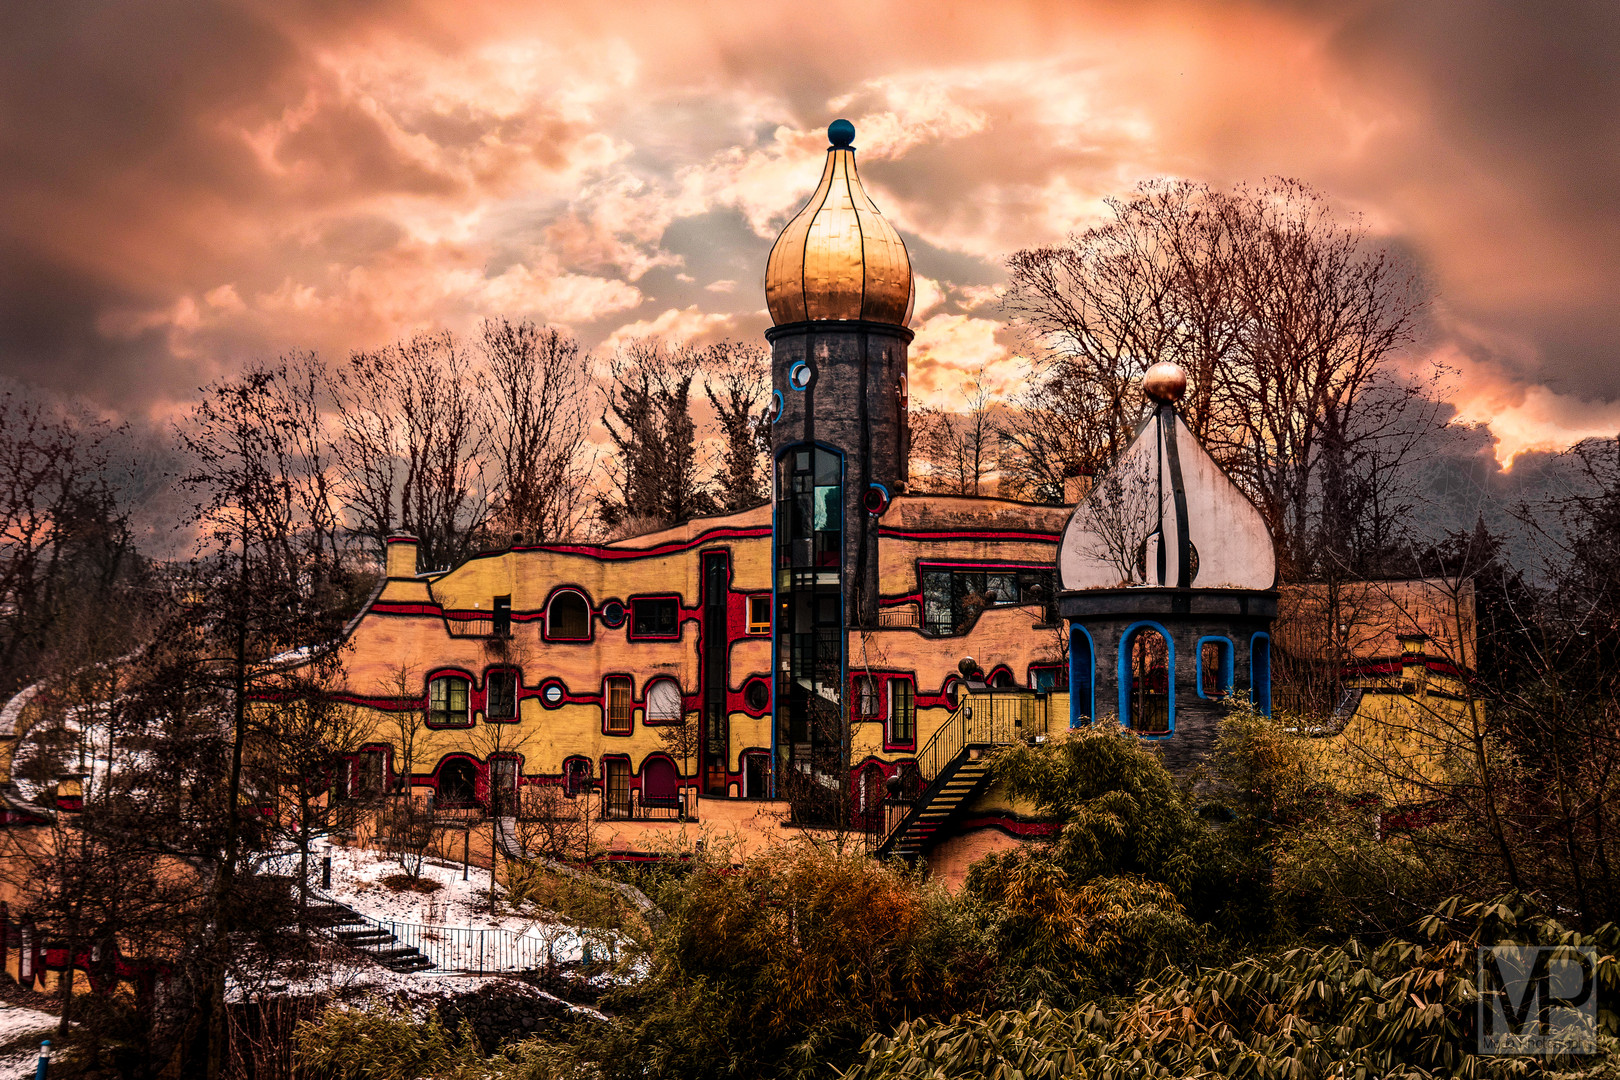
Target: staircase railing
point(984, 719)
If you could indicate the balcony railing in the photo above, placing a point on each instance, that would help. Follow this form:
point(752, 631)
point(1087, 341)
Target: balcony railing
point(631, 806)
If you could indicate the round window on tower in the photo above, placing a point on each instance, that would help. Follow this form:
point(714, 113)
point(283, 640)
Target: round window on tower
point(799, 375)
point(876, 499)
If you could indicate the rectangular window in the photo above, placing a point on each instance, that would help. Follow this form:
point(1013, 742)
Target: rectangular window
point(620, 707)
point(759, 614)
point(371, 774)
point(953, 599)
point(1049, 677)
point(656, 618)
point(903, 717)
point(502, 625)
point(501, 699)
point(1214, 667)
point(866, 696)
point(447, 700)
point(618, 789)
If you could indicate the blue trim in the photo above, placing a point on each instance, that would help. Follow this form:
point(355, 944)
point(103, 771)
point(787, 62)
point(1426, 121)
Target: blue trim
point(1075, 674)
point(1260, 689)
point(1226, 663)
point(797, 364)
point(781, 405)
point(1124, 676)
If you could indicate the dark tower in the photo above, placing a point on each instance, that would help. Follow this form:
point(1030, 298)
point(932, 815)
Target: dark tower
point(839, 288)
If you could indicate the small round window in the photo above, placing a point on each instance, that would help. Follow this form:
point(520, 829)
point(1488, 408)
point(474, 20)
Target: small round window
point(613, 614)
point(552, 694)
point(799, 375)
point(757, 694)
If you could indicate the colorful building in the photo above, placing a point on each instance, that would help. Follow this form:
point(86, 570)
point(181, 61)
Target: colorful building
point(805, 650)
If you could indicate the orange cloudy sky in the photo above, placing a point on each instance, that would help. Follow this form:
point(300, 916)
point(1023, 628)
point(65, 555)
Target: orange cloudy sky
point(188, 184)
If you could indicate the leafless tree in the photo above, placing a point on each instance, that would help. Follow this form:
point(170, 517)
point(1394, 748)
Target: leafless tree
point(412, 447)
point(1286, 320)
point(654, 476)
point(1121, 513)
point(737, 381)
point(539, 399)
point(957, 450)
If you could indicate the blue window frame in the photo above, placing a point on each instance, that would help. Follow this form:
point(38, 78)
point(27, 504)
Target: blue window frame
point(1147, 683)
point(1260, 673)
point(1082, 677)
point(1214, 667)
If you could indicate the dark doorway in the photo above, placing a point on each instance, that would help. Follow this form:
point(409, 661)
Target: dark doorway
point(458, 783)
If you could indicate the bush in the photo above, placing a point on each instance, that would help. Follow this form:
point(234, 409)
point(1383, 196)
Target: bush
point(1404, 1009)
point(785, 964)
point(381, 1040)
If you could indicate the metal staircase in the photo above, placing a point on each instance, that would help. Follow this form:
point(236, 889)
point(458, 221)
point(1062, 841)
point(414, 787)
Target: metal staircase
point(955, 764)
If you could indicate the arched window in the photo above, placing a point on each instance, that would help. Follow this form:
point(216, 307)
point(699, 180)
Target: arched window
point(1214, 667)
point(447, 700)
point(458, 783)
point(664, 702)
point(568, 617)
point(1082, 677)
point(1002, 679)
point(1260, 673)
point(1145, 681)
point(576, 775)
point(659, 782)
point(869, 797)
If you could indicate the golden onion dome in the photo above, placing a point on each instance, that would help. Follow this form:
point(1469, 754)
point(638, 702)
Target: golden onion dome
point(838, 258)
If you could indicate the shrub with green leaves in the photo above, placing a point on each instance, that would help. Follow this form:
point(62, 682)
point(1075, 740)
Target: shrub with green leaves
point(1403, 1009)
point(381, 1040)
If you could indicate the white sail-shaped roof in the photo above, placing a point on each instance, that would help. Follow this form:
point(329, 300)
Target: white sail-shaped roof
point(1128, 530)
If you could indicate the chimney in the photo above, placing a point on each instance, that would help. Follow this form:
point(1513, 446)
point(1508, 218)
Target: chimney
point(1414, 669)
point(401, 555)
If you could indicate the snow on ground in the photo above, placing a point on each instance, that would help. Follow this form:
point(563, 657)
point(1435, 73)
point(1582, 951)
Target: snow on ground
point(17, 1024)
point(452, 925)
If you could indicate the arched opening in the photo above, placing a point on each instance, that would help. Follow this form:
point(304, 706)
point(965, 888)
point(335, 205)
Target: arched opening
point(659, 782)
point(568, 617)
point(576, 775)
point(664, 702)
point(1260, 673)
point(1082, 677)
point(1145, 684)
point(458, 783)
point(1214, 667)
point(869, 797)
point(1002, 679)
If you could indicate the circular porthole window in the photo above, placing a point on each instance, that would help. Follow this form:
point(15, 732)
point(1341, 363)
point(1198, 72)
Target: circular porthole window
point(953, 692)
point(613, 614)
point(781, 405)
point(757, 694)
point(799, 375)
point(876, 499)
point(551, 694)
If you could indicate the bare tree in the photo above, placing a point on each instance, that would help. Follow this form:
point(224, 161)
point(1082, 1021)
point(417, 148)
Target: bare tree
point(648, 417)
point(1286, 321)
point(957, 451)
point(412, 448)
point(539, 393)
point(737, 381)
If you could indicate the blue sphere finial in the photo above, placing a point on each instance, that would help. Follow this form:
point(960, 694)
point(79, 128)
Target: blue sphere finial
point(841, 133)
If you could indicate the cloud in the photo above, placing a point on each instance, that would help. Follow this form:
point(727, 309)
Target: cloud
point(690, 325)
point(187, 185)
